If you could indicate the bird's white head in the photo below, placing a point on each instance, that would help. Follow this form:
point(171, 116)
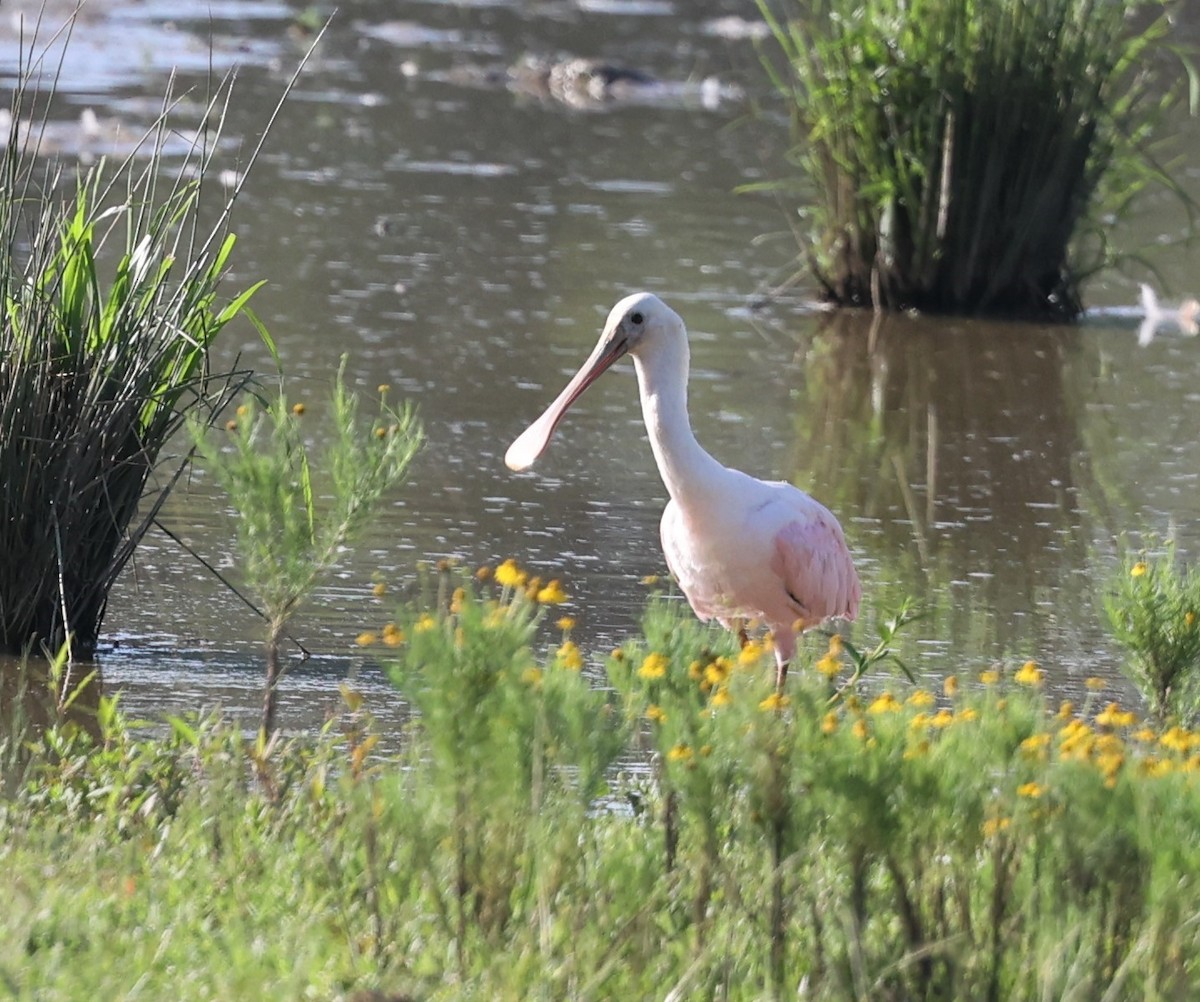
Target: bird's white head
point(637, 325)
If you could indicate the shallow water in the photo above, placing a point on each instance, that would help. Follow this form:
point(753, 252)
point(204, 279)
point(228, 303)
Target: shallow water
point(462, 240)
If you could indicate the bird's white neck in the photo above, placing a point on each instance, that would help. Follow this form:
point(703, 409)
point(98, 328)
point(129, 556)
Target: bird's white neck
point(688, 472)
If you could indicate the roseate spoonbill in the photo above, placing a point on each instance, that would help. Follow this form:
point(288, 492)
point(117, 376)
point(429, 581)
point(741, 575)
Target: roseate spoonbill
point(740, 548)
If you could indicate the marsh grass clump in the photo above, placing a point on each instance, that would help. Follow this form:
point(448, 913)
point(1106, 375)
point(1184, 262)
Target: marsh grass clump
point(299, 507)
point(112, 302)
point(956, 152)
point(1153, 605)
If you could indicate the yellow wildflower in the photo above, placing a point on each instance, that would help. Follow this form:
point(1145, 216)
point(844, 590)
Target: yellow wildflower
point(829, 666)
point(943, 718)
point(887, 703)
point(1144, 734)
point(650, 580)
point(918, 721)
point(1035, 745)
point(1066, 710)
point(967, 714)
point(1189, 618)
point(829, 723)
point(298, 409)
point(1110, 764)
point(835, 645)
point(751, 653)
point(243, 410)
point(1138, 569)
point(569, 656)
point(366, 639)
point(509, 575)
point(1029, 674)
point(425, 623)
point(655, 713)
point(1094, 683)
point(1113, 716)
point(775, 701)
point(922, 699)
point(552, 594)
point(654, 666)
point(457, 599)
point(483, 573)
point(717, 671)
point(1031, 790)
point(992, 827)
point(680, 753)
point(379, 589)
point(950, 685)
point(532, 587)
point(1178, 740)
point(1075, 741)
point(695, 671)
point(860, 729)
point(1154, 766)
point(989, 677)
point(565, 623)
point(721, 697)
point(917, 750)
point(532, 677)
point(393, 636)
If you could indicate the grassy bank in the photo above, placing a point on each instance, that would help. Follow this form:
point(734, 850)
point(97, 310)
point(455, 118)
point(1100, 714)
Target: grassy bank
point(977, 839)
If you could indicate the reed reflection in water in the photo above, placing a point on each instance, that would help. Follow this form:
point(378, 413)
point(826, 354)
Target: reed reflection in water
point(952, 452)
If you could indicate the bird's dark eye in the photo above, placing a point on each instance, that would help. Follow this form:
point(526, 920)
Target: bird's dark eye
point(636, 318)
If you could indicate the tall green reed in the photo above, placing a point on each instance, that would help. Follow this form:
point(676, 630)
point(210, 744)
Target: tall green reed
point(112, 288)
point(111, 304)
point(956, 153)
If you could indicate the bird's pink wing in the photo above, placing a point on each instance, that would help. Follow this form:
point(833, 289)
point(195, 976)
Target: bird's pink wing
point(812, 559)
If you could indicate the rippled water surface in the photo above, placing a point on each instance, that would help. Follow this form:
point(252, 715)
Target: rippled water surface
point(461, 233)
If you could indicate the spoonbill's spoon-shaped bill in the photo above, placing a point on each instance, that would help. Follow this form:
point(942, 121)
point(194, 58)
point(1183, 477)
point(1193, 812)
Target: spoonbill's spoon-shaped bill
point(526, 450)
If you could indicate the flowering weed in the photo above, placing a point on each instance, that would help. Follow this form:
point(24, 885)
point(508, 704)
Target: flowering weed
point(1153, 605)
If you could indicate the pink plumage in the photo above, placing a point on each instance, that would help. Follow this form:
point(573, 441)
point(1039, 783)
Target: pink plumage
point(740, 548)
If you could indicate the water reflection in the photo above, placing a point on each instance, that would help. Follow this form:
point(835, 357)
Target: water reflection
point(462, 240)
point(32, 701)
point(953, 452)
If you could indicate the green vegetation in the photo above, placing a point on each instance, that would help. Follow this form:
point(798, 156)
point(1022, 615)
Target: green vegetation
point(1152, 607)
point(298, 510)
point(976, 840)
point(111, 306)
point(957, 152)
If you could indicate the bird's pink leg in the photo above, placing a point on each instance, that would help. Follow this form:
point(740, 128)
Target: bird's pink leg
point(785, 648)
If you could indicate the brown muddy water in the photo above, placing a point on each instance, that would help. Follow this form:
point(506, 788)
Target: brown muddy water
point(461, 232)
